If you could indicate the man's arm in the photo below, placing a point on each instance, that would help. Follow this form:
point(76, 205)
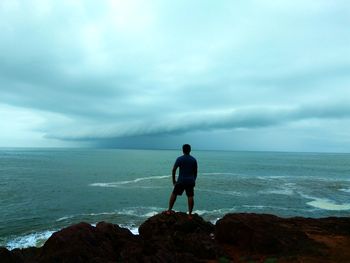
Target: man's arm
point(173, 173)
point(195, 171)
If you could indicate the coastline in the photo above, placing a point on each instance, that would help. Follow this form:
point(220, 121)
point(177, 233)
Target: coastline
point(236, 237)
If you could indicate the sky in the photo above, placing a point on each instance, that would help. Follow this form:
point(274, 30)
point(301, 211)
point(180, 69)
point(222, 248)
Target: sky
point(256, 75)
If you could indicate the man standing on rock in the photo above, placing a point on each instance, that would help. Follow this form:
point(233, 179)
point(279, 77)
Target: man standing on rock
point(187, 165)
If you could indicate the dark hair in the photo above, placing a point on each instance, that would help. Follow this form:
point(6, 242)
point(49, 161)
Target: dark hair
point(186, 148)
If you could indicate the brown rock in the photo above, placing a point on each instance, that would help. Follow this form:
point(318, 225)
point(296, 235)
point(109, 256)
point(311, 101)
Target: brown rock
point(27, 255)
point(265, 234)
point(7, 256)
point(84, 243)
point(177, 238)
point(288, 239)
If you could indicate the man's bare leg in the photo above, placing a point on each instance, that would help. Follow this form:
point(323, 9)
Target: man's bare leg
point(190, 205)
point(172, 201)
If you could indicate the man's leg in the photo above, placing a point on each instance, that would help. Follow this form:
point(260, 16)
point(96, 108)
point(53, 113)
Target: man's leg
point(190, 204)
point(190, 199)
point(172, 201)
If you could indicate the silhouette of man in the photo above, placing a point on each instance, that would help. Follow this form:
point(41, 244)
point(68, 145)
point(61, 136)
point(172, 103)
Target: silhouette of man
point(186, 180)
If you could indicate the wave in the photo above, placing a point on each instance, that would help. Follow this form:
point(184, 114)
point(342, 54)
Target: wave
point(263, 207)
point(272, 177)
point(133, 229)
point(130, 211)
point(327, 204)
point(126, 182)
point(99, 214)
point(286, 189)
point(121, 183)
point(345, 190)
point(140, 211)
point(146, 212)
point(64, 218)
point(30, 240)
point(222, 192)
point(278, 192)
point(215, 211)
point(39, 238)
point(299, 178)
point(219, 173)
point(277, 177)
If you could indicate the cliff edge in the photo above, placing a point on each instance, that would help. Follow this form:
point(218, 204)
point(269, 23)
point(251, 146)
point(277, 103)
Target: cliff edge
point(176, 238)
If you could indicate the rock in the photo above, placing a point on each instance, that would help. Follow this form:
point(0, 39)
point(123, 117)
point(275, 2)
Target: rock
point(305, 239)
point(265, 234)
point(84, 243)
point(27, 255)
point(162, 225)
point(7, 256)
point(176, 238)
point(189, 240)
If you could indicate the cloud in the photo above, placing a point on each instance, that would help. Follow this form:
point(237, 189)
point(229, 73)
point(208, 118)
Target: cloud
point(148, 68)
point(243, 118)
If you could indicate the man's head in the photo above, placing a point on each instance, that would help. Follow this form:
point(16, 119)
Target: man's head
point(186, 148)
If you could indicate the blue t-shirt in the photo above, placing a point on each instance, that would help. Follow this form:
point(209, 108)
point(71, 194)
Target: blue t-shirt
point(188, 169)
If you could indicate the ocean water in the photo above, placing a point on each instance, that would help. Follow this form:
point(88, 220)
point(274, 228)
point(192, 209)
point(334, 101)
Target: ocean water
point(44, 190)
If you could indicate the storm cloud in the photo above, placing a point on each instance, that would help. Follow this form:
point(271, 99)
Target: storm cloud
point(255, 75)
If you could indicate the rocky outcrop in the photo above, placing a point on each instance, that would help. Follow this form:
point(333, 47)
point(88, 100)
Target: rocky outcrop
point(176, 238)
point(84, 243)
point(285, 239)
point(265, 234)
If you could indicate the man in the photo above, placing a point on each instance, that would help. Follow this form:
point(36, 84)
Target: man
point(187, 165)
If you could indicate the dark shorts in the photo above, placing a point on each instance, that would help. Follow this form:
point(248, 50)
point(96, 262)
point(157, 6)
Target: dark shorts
point(180, 188)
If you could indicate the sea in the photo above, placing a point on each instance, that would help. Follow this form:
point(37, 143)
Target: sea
point(45, 190)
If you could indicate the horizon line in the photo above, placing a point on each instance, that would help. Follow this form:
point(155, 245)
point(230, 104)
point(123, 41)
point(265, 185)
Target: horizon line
point(169, 149)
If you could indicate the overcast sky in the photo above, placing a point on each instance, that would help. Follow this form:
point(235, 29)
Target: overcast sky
point(231, 75)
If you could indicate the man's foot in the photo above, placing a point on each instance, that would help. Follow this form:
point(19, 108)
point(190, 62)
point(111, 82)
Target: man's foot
point(190, 217)
point(169, 212)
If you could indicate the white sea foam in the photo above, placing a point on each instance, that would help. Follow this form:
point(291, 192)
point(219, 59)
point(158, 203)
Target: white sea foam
point(218, 173)
point(140, 211)
point(345, 190)
point(263, 207)
point(255, 206)
point(272, 177)
point(121, 183)
point(63, 218)
point(133, 229)
point(38, 239)
point(280, 192)
point(214, 220)
point(287, 189)
point(29, 240)
point(126, 212)
point(214, 212)
point(100, 214)
point(222, 192)
point(327, 204)
point(131, 211)
point(153, 213)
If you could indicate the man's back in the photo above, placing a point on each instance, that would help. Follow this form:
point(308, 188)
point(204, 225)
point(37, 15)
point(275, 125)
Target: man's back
point(187, 169)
